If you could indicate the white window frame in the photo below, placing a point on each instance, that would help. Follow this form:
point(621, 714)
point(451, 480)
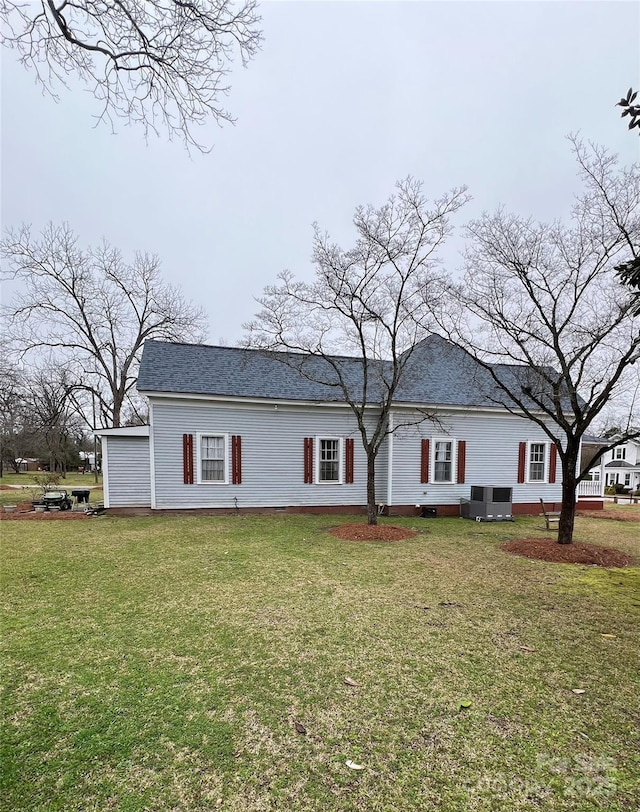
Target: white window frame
point(454, 460)
point(627, 479)
point(340, 480)
point(620, 453)
point(199, 479)
point(547, 454)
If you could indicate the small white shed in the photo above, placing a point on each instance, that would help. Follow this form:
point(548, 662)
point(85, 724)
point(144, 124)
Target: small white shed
point(126, 470)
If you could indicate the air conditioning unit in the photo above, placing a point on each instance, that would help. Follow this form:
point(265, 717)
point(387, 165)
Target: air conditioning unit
point(488, 503)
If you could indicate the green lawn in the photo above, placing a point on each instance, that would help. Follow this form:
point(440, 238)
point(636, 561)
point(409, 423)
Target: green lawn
point(161, 663)
point(25, 489)
point(72, 479)
point(30, 492)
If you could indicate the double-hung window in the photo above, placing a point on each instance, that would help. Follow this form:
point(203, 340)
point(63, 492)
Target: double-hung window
point(537, 462)
point(212, 458)
point(620, 453)
point(329, 468)
point(443, 460)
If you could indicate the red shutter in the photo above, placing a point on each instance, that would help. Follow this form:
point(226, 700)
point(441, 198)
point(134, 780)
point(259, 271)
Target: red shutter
point(187, 458)
point(308, 460)
point(462, 460)
point(236, 459)
point(553, 460)
point(348, 461)
point(522, 461)
point(424, 462)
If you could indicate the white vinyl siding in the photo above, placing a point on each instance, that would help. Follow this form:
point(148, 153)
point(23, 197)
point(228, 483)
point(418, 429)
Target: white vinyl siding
point(128, 475)
point(272, 454)
point(491, 458)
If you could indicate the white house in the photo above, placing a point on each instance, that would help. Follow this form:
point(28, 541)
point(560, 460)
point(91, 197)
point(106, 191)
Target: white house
point(621, 466)
point(236, 429)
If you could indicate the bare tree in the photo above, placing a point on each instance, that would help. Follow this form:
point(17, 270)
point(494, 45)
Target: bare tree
point(370, 300)
point(16, 431)
point(621, 415)
point(93, 311)
point(546, 296)
point(160, 65)
point(56, 423)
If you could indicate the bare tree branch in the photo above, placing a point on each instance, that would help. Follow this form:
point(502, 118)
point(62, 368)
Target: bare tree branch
point(92, 310)
point(372, 301)
point(547, 297)
point(161, 65)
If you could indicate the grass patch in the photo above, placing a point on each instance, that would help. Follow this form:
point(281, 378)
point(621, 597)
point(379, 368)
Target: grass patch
point(16, 496)
point(72, 479)
point(161, 663)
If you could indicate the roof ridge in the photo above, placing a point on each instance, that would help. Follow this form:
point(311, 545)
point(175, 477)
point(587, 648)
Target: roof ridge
point(264, 351)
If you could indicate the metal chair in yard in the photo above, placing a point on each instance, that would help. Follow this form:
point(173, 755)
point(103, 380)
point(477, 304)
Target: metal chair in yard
point(551, 517)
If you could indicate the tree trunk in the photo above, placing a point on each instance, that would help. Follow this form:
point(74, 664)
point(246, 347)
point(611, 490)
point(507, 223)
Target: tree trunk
point(568, 508)
point(118, 401)
point(372, 508)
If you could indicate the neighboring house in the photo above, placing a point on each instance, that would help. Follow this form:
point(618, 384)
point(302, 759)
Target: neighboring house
point(621, 466)
point(591, 457)
point(28, 464)
point(88, 460)
point(237, 429)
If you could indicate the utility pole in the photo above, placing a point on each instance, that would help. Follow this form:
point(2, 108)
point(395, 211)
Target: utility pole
point(95, 440)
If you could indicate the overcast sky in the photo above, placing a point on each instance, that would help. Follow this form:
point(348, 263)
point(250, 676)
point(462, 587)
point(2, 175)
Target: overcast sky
point(344, 99)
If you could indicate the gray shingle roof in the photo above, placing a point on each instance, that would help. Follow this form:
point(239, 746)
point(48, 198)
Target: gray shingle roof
point(438, 372)
point(592, 439)
point(205, 370)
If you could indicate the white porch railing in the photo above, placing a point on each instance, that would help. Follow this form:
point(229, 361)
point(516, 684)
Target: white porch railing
point(590, 488)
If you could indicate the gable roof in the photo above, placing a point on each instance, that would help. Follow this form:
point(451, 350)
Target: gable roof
point(200, 369)
point(437, 372)
point(124, 431)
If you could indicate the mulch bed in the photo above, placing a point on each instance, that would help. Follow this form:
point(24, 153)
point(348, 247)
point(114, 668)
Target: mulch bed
point(25, 512)
point(375, 532)
point(576, 553)
point(626, 515)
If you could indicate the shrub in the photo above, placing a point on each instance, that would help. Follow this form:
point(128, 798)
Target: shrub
point(46, 480)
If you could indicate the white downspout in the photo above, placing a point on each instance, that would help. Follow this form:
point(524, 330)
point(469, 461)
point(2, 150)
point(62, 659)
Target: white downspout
point(390, 463)
point(152, 459)
point(105, 472)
